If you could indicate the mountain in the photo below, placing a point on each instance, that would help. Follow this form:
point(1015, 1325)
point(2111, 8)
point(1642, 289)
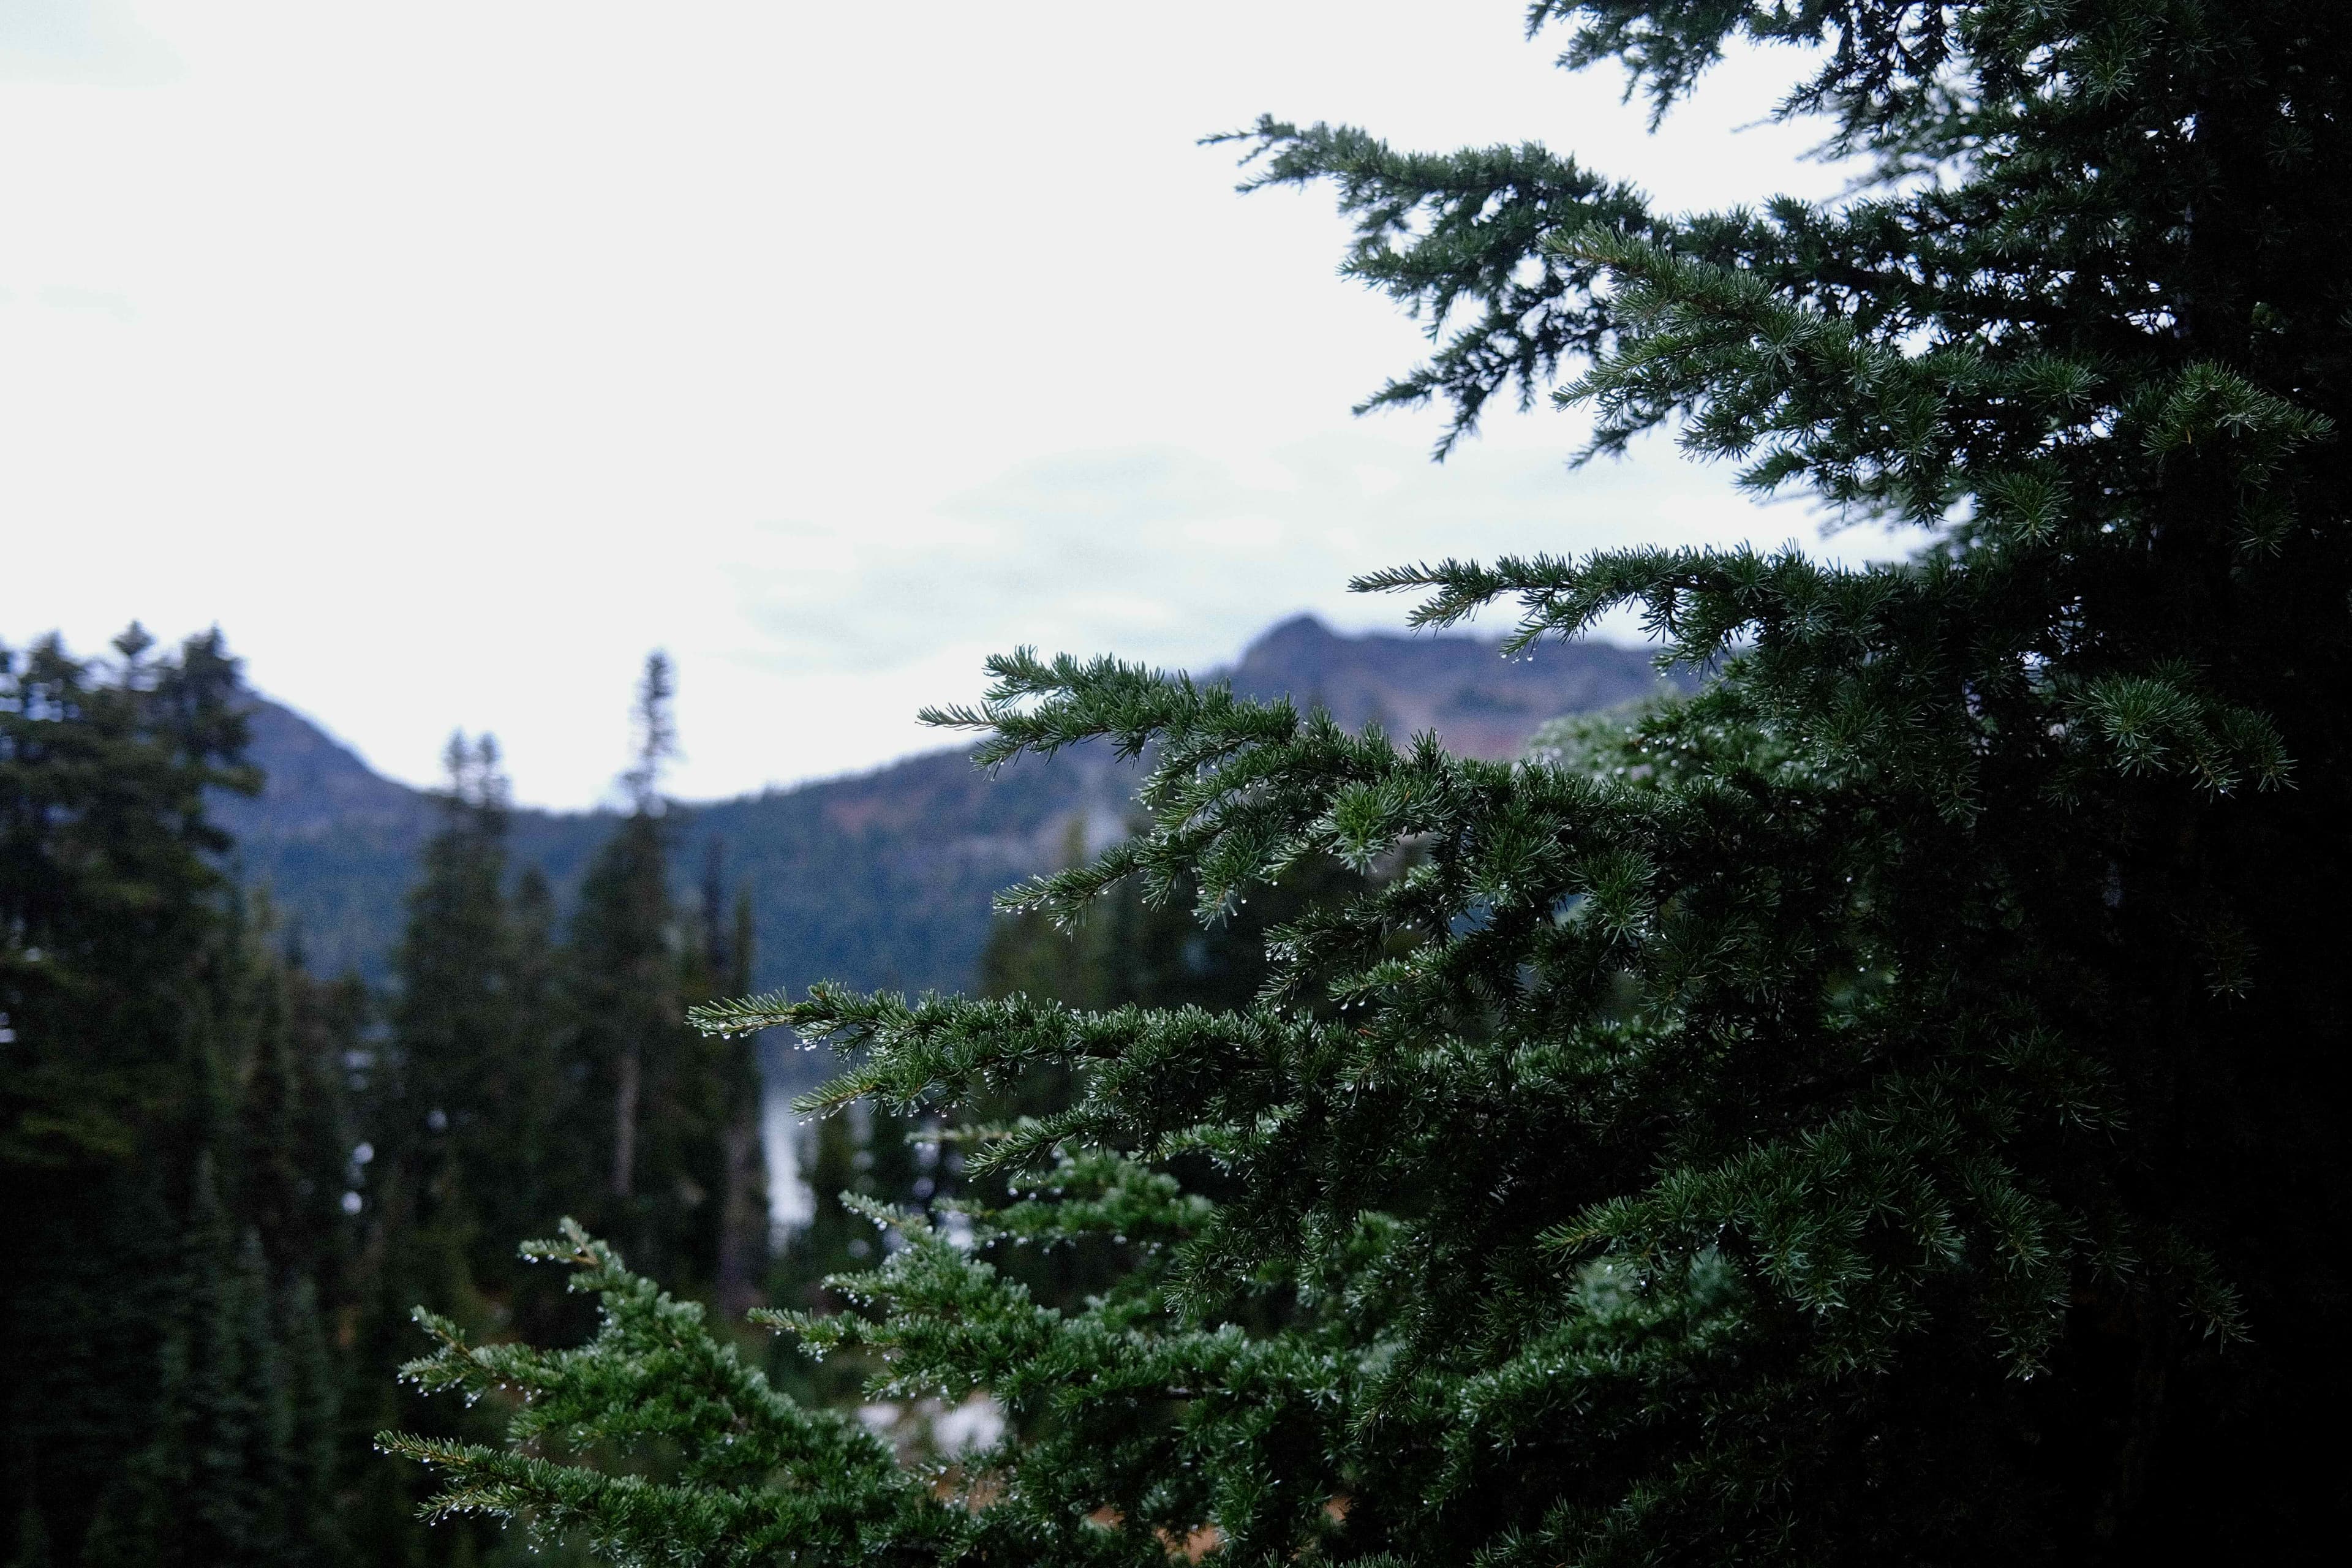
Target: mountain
point(883, 878)
point(1482, 704)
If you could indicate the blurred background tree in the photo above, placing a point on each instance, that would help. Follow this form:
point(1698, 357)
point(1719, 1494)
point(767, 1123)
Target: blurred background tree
point(231, 1180)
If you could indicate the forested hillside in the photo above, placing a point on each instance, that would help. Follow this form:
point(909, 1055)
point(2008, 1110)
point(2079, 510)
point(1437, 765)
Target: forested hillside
point(884, 879)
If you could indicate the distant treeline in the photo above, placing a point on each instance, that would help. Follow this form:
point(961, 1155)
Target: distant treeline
point(231, 1178)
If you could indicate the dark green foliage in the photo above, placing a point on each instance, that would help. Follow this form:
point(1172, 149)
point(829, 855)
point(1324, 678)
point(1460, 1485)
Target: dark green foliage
point(666, 1101)
point(632, 1019)
point(227, 1181)
point(1469, 230)
point(726, 1088)
point(172, 1143)
point(651, 1379)
point(107, 926)
point(216, 1473)
point(1885, 1107)
point(521, 1078)
point(1131, 950)
point(850, 1162)
point(469, 1100)
point(1127, 951)
point(462, 1100)
point(315, 1446)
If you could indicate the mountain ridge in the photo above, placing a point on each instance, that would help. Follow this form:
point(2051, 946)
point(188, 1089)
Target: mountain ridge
point(881, 877)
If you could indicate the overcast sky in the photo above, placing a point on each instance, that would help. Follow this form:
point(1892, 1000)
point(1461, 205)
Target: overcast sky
point(450, 356)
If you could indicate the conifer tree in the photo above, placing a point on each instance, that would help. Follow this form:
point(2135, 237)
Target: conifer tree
point(623, 958)
point(178, 1127)
point(115, 939)
point(726, 1087)
point(315, 1443)
point(311, 1240)
point(435, 1120)
point(1886, 1106)
point(543, 1162)
point(211, 1486)
point(660, 1094)
point(462, 1120)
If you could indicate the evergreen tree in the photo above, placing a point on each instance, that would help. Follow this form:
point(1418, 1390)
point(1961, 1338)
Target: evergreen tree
point(541, 1162)
point(863, 1158)
point(296, 1132)
point(729, 1082)
point(212, 1485)
point(467, 1111)
point(622, 964)
point(1886, 1106)
point(242, 1466)
point(311, 1232)
point(115, 937)
point(315, 1442)
point(1129, 949)
point(437, 1120)
point(466, 1117)
point(661, 1096)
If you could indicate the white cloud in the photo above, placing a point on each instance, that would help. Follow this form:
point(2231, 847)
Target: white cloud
point(449, 355)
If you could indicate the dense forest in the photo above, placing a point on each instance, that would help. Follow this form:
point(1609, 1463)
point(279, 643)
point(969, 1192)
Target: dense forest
point(232, 1178)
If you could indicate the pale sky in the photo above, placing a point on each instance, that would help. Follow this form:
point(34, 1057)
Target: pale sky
point(449, 356)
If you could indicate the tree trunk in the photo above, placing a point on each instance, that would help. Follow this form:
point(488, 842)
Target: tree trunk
point(624, 1123)
point(743, 1219)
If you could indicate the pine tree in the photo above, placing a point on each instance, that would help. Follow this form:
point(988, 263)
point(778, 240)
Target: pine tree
point(726, 1082)
point(543, 1161)
point(622, 962)
point(303, 1113)
point(664, 1097)
point(1129, 949)
point(117, 951)
point(315, 1442)
point(213, 1485)
point(1886, 1106)
point(435, 1120)
point(455, 1117)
